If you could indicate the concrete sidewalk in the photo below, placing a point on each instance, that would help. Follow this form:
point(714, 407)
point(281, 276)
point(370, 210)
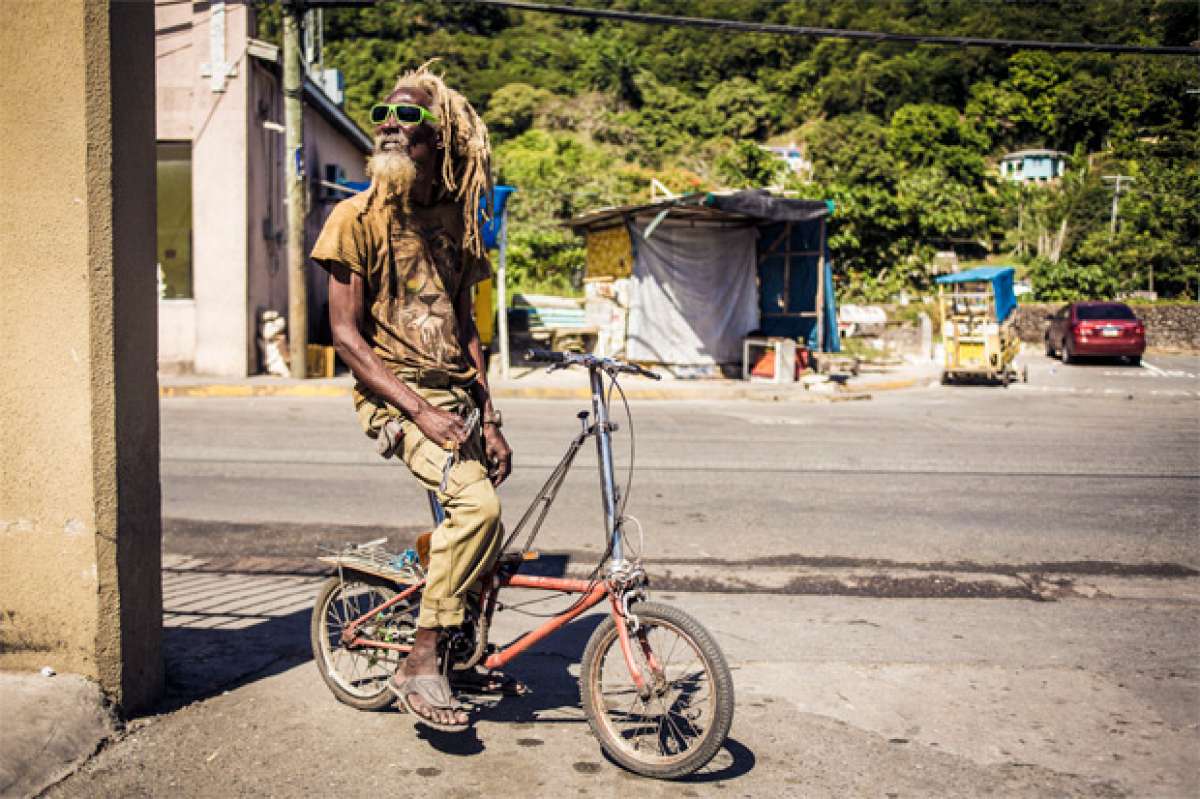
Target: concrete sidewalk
point(836, 696)
point(535, 383)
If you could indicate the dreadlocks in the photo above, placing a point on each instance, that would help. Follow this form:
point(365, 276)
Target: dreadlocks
point(466, 163)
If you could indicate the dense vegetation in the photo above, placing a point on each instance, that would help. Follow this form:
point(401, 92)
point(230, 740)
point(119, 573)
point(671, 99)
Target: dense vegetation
point(904, 139)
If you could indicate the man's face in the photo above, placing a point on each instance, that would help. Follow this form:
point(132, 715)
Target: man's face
point(418, 141)
point(404, 152)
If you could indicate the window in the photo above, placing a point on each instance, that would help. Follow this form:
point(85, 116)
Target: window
point(1114, 310)
point(174, 221)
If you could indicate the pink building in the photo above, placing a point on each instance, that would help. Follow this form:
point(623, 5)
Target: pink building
point(221, 217)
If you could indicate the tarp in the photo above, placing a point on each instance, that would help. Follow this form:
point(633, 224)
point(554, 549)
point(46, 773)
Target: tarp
point(762, 204)
point(693, 296)
point(789, 268)
point(1001, 278)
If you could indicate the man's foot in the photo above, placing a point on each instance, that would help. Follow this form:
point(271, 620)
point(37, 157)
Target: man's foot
point(423, 690)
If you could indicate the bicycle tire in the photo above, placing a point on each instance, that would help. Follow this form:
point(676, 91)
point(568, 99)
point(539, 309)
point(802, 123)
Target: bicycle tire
point(357, 678)
point(603, 708)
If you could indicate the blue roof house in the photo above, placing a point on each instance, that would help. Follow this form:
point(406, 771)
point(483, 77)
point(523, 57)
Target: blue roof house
point(1038, 166)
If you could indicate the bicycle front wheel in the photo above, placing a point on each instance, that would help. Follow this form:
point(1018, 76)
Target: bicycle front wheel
point(680, 723)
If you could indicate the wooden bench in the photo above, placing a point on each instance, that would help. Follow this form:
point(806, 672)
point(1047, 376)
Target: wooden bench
point(555, 323)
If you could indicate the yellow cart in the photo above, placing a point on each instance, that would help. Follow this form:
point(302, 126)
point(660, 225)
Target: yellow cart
point(977, 326)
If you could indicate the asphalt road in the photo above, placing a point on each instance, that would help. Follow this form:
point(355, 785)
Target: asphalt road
point(1096, 694)
point(1096, 463)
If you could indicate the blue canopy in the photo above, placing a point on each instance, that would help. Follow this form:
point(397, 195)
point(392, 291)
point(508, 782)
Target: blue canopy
point(1001, 278)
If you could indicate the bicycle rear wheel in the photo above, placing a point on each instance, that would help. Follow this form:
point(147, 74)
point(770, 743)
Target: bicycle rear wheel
point(682, 723)
point(358, 676)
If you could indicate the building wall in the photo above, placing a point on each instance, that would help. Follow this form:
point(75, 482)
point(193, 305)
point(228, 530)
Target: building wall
point(224, 344)
point(79, 495)
point(325, 145)
point(267, 218)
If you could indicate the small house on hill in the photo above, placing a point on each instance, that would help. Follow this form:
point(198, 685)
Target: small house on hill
point(1026, 166)
point(688, 278)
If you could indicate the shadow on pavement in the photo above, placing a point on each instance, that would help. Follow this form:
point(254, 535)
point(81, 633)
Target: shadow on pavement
point(224, 628)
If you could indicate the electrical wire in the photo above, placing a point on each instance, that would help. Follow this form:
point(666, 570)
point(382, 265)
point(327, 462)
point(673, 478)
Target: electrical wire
point(835, 33)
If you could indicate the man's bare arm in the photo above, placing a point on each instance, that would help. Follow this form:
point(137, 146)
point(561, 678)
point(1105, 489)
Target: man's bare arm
point(498, 451)
point(346, 316)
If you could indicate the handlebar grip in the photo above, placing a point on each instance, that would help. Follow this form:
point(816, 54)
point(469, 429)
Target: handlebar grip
point(649, 374)
point(544, 356)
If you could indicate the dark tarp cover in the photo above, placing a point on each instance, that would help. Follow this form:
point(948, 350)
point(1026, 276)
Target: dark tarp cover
point(759, 203)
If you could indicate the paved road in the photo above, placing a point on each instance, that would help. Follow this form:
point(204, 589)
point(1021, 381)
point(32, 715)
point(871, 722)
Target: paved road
point(1094, 695)
point(1097, 463)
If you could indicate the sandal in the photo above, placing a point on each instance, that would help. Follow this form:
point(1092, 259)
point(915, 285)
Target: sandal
point(432, 688)
point(484, 681)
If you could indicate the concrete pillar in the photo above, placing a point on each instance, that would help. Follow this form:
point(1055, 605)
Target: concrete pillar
point(80, 529)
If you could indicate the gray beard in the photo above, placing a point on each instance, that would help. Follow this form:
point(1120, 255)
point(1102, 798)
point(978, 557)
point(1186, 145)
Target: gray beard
point(393, 173)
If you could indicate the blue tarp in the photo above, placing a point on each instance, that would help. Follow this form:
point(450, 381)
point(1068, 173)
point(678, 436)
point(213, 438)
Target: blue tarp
point(490, 229)
point(1001, 278)
point(788, 271)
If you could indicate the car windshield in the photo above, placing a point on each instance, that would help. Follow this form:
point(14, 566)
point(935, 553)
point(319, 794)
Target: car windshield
point(1113, 311)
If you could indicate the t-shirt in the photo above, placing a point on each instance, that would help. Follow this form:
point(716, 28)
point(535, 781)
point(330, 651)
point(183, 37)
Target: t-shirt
point(414, 268)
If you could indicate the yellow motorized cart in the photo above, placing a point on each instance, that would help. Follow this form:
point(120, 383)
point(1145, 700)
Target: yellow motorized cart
point(977, 325)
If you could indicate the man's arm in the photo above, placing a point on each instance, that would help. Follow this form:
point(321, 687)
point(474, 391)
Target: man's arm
point(346, 316)
point(498, 452)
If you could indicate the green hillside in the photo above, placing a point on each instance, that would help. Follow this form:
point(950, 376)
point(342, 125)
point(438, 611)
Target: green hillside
point(905, 139)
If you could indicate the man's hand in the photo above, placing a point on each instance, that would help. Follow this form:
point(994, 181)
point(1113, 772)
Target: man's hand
point(498, 453)
point(446, 429)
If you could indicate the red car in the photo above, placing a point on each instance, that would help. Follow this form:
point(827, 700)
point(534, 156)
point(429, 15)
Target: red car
point(1109, 329)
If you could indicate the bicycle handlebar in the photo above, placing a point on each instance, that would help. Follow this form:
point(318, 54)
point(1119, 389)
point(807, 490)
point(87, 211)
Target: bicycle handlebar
point(564, 360)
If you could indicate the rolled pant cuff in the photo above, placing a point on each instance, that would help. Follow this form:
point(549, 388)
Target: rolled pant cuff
point(440, 613)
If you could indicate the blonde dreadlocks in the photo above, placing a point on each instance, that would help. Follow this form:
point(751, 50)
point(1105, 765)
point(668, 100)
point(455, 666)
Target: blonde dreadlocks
point(467, 159)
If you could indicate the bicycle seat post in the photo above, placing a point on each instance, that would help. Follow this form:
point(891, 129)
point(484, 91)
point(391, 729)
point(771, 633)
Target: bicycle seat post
point(604, 453)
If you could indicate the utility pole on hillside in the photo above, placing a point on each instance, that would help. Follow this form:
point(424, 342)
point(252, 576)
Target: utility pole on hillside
point(1118, 183)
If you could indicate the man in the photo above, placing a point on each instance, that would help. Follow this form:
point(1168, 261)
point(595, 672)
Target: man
point(402, 258)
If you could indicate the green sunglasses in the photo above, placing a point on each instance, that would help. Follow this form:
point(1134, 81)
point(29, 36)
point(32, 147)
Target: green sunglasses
point(406, 114)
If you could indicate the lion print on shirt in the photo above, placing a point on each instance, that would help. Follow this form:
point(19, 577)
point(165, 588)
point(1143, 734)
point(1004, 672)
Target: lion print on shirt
point(428, 271)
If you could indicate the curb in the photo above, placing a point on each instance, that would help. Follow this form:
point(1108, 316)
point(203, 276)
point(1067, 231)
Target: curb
point(233, 390)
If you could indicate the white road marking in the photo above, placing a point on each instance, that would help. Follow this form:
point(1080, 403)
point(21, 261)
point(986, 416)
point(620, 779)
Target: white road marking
point(1152, 368)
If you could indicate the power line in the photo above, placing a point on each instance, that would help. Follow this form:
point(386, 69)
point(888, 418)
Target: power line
point(833, 33)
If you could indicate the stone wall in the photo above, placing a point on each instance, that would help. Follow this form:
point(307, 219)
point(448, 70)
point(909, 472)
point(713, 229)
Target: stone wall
point(1173, 326)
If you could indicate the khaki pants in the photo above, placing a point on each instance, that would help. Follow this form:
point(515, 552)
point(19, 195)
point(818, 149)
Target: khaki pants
point(467, 543)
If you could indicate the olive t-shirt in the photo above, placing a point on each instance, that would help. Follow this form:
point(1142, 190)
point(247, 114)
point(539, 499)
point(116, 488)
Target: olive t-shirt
point(414, 268)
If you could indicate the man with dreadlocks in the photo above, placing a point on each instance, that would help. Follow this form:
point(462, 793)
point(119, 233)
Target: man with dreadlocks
point(402, 258)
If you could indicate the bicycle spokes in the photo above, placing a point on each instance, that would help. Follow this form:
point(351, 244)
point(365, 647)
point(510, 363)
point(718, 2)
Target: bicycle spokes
point(676, 708)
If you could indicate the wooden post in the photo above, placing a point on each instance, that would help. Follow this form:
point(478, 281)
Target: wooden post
point(293, 120)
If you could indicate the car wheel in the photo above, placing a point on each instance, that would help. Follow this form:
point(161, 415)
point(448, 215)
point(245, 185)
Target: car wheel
point(1067, 357)
point(1135, 360)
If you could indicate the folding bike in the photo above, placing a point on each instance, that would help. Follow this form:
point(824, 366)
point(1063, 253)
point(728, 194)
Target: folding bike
point(654, 685)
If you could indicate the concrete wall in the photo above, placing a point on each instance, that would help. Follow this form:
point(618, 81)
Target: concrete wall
point(1170, 326)
point(325, 145)
point(224, 340)
point(79, 495)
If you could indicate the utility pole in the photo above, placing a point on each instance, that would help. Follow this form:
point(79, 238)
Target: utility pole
point(1118, 184)
point(293, 122)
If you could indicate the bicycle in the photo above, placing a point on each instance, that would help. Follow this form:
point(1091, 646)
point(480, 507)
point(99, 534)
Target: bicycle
point(654, 715)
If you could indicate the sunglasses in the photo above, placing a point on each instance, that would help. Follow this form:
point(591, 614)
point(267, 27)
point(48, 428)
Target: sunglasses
point(405, 113)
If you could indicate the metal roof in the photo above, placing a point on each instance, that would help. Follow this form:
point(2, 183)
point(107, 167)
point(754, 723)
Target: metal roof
point(1034, 154)
point(744, 207)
